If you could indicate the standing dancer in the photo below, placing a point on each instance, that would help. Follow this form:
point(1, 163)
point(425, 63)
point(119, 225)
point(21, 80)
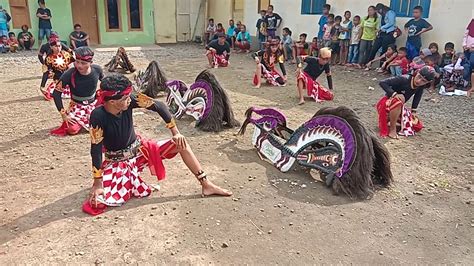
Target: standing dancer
point(266, 65)
point(306, 78)
point(82, 80)
point(57, 63)
point(117, 178)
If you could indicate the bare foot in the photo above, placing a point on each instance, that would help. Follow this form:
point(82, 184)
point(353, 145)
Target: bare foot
point(301, 102)
point(469, 92)
point(208, 189)
point(393, 135)
point(257, 86)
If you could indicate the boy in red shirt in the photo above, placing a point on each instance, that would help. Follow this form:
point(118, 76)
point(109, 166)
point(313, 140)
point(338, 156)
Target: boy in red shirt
point(399, 65)
point(12, 42)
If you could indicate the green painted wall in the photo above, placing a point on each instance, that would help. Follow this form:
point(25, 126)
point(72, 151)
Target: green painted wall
point(126, 37)
point(61, 19)
point(62, 22)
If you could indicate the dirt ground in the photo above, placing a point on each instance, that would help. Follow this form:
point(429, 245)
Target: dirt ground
point(272, 218)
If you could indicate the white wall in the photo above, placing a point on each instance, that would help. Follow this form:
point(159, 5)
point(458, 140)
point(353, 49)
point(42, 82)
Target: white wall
point(448, 17)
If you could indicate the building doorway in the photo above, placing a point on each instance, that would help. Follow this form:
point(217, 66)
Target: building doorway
point(84, 12)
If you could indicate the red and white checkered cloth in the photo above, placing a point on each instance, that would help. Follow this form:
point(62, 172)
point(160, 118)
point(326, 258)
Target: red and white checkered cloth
point(121, 180)
point(81, 113)
point(314, 89)
point(219, 60)
point(270, 76)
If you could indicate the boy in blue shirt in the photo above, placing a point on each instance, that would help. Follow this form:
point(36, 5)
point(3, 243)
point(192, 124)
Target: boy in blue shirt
point(414, 28)
point(322, 21)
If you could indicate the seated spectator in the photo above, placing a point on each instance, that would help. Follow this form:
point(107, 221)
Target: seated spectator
point(313, 48)
point(434, 51)
point(452, 77)
point(25, 38)
point(4, 44)
point(386, 58)
point(448, 55)
point(287, 44)
point(231, 33)
point(399, 65)
point(243, 39)
point(78, 38)
point(12, 42)
point(210, 31)
point(300, 47)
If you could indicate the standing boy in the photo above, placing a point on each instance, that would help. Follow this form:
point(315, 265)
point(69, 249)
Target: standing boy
point(322, 22)
point(262, 28)
point(414, 28)
point(44, 16)
point(273, 21)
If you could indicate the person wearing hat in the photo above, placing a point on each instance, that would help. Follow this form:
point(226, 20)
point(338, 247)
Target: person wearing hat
point(399, 90)
point(218, 52)
point(117, 178)
point(307, 77)
point(57, 63)
point(82, 80)
point(266, 60)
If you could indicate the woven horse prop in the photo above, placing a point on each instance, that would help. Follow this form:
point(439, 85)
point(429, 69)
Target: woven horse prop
point(205, 100)
point(349, 157)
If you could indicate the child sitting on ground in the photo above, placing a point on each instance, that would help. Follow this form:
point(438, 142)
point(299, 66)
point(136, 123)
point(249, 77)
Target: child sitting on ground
point(452, 77)
point(399, 65)
point(313, 47)
point(419, 61)
point(300, 47)
point(434, 52)
point(447, 57)
point(210, 31)
point(12, 42)
point(243, 40)
point(4, 44)
point(387, 58)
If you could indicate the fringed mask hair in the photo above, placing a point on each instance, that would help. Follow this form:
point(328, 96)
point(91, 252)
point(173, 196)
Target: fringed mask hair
point(151, 81)
point(349, 157)
point(220, 114)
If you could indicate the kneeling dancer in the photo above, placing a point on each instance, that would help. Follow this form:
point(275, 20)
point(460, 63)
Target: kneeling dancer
point(82, 80)
point(266, 65)
point(57, 63)
point(306, 78)
point(117, 178)
point(399, 90)
point(218, 52)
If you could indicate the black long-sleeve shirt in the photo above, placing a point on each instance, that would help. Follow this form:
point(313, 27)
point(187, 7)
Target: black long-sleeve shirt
point(80, 85)
point(117, 132)
point(46, 50)
point(403, 85)
point(314, 69)
point(265, 60)
point(57, 64)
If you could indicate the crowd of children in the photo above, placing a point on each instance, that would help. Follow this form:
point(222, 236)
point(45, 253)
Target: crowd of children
point(355, 41)
point(13, 43)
